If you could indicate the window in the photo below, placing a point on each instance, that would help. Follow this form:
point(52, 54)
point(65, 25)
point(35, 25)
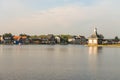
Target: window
point(95, 41)
point(90, 41)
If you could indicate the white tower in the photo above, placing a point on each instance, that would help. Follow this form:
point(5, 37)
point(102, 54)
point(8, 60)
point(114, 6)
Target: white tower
point(95, 30)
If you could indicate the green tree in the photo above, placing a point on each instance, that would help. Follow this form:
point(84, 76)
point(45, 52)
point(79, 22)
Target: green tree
point(101, 36)
point(64, 38)
point(34, 36)
point(24, 35)
point(43, 36)
point(116, 39)
point(7, 35)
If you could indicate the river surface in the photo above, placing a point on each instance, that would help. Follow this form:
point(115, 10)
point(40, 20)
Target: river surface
point(59, 62)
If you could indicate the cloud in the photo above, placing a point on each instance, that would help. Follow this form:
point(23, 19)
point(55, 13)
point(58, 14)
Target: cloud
point(56, 19)
point(69, 19)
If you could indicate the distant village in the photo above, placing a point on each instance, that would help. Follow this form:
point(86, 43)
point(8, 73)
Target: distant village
point(8, 38)
point(51, 39)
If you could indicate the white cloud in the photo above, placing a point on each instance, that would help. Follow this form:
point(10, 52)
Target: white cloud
point(57, 18)
point(73, 19)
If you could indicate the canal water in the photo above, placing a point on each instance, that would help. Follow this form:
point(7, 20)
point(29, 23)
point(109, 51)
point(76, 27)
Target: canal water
point(59, 62)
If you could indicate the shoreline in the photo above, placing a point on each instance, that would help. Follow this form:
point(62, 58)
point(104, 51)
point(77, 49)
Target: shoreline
point(104, 45)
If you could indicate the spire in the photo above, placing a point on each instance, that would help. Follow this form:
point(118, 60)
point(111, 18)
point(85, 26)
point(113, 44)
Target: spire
point(95, 30)
point(94, 35)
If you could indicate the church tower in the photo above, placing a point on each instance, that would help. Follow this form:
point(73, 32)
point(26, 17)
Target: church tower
point(95, 30)
point(93, 39)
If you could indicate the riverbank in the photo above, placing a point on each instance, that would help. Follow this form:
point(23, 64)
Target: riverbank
point(105, 45)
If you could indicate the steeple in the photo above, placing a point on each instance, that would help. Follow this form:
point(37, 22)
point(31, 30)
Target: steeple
point(95, 30)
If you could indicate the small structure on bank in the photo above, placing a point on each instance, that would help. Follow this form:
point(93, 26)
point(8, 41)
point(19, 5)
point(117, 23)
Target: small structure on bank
point(95, 39)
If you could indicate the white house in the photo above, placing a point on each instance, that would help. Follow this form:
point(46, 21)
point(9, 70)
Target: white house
point(95, 38)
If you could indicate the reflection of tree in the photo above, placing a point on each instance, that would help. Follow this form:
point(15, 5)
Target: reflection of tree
point(99, 49)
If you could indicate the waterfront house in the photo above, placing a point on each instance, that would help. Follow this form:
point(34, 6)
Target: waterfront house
point(7, 38)
point(21, 40)
point(77, 40)
point(51, 39)
point(16, 39)
point(71, 40)
point(24, 39)
point(80, 40)
point(57, 39)
point(1, 39)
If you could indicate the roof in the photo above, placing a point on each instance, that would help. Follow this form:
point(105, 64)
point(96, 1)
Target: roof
point(18, 37)
point(94, 36)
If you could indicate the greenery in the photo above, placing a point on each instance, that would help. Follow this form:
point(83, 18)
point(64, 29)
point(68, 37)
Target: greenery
point(7, 35)
point(116, 38)
point(101, 36)
point(34, 36)
point(64, 38)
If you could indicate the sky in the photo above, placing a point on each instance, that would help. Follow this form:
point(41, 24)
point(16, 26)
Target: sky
point(74, 17)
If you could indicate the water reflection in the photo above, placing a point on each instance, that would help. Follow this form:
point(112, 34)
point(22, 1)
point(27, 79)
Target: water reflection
point(95, 50)
point(58, 62)
point(94, 59)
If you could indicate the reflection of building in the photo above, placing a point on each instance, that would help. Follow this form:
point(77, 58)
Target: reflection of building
point(94, 49)
point(95, 38)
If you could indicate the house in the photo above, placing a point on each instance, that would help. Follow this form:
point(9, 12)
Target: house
point(57, 39)
point(71, 40)
point(51, 39)
point(21, 40)
point(24, 39)
point(16, 39)
point(80, 40)
point(95, 38)
point(7, 38)
point(77, 40)
point(1, 39)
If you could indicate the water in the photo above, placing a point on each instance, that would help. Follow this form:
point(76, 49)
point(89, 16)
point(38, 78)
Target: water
point(59, 62)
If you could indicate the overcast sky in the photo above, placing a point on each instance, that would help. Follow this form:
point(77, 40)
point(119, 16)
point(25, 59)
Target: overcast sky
point(77, 17)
